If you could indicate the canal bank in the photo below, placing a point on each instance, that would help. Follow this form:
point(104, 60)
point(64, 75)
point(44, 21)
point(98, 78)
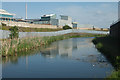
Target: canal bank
point(109, 47)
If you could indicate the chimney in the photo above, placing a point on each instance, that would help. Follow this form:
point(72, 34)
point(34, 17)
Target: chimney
point(26, 11)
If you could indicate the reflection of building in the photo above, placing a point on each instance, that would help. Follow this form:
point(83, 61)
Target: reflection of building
point(65, 48)
point(51, 51)
point(5, 16)
point(62, 48)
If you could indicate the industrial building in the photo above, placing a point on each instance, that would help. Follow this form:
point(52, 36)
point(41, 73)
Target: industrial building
point(6, 16)
point(74, 25)
point(46, 19)
point(52, 20)
point(65, 20)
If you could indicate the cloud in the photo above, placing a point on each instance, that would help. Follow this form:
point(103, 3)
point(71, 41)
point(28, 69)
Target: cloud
point(98, 16)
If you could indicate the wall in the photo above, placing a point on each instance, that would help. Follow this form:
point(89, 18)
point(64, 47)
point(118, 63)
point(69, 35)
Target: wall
point(115, 30)
point(5, 34)
point(65, 22)
point(54, 22)
point(23, 24)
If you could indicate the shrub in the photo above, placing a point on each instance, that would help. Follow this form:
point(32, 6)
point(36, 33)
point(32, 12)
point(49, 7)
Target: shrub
point(99, 45)
point(14, 32)
point(66, 27)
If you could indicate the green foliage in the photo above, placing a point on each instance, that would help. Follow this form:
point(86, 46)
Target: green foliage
point(118, 62)
point(66, 27)
point(14, 32)
point(115, 75)
point(99, 45)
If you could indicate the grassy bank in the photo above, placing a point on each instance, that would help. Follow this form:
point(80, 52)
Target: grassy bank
point(110, 48)
point(13, 47)
point(27, 29)
point(99, 29)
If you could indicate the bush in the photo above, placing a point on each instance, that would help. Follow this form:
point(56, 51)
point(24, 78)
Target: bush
point(14, 32)
point(66, 27)
point(99, 45)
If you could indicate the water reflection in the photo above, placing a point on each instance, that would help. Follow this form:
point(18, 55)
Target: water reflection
point(65, 57)
point(76, 49)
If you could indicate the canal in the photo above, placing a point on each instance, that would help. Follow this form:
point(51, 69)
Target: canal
point(70, 58)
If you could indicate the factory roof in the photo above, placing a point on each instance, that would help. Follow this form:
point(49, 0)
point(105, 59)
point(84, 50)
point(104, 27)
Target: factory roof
point(48, 15)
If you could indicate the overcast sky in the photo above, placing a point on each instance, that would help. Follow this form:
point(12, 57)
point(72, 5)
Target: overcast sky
point(100, 14)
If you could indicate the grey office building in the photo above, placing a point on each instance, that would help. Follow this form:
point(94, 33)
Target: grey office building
point(47, 19)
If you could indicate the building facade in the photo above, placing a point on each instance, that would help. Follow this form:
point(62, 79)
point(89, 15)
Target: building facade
point(5, 16)
point(52, 20)
point(65, 20)
point(74, 25)
point(47, 19)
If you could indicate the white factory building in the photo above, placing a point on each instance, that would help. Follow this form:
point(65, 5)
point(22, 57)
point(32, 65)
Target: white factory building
point(65, 20)
point(52, 20)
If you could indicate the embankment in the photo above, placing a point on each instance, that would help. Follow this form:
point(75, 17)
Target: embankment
point(109, 46)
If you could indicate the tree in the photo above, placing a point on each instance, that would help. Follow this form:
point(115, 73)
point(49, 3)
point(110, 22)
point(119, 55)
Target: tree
point(14, 32)
point(66, 27)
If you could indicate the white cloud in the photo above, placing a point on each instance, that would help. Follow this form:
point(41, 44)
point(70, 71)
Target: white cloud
point(88, 15)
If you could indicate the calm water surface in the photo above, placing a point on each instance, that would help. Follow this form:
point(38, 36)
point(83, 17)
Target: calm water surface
point(70, 58)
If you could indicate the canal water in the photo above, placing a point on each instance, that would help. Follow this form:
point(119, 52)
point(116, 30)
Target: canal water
point(70, 58)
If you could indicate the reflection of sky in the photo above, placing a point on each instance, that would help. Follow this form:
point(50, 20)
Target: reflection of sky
point(100, 14)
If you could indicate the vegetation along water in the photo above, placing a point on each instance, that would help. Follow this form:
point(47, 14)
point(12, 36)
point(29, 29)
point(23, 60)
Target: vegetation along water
point(109, 46)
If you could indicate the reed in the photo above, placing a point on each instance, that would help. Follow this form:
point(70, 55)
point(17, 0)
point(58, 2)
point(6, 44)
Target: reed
point(13, 47)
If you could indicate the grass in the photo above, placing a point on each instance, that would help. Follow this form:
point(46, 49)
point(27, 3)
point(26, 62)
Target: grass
point(110, 48)
point(13, 47)
point(27, 29)
point(115, 74)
